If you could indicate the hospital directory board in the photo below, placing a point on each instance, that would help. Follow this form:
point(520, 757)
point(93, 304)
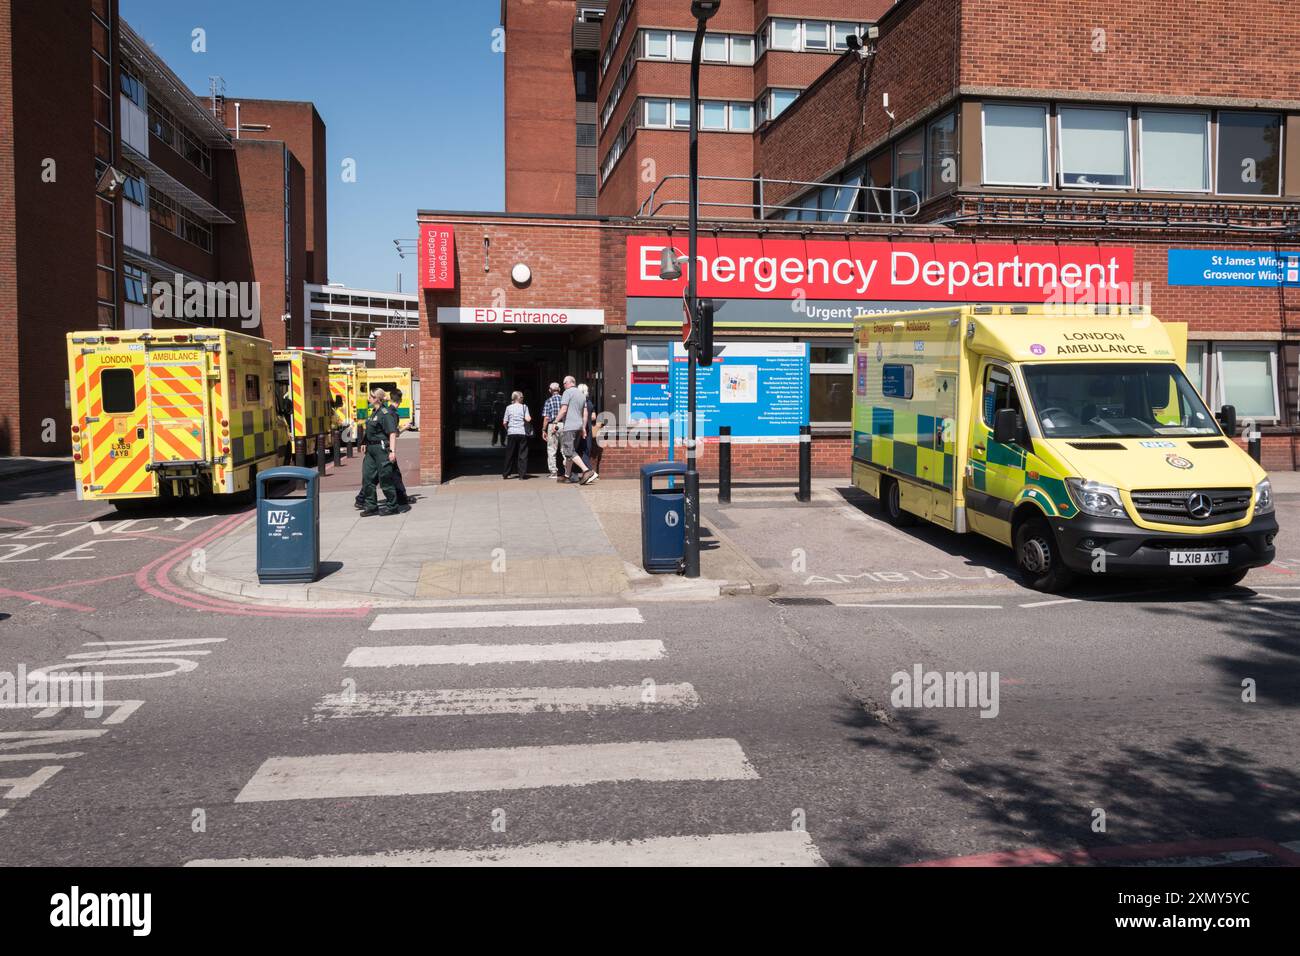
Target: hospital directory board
point(760, 389)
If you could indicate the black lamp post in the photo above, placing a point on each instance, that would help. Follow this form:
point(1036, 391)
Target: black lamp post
point(702, 10)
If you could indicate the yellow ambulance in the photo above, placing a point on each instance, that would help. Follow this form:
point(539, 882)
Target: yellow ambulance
point(1070, 435)
point(302, 390)
point(172, 414)
point(388, 379)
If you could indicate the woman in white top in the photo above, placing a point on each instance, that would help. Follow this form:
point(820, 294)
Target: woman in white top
point(516, 422)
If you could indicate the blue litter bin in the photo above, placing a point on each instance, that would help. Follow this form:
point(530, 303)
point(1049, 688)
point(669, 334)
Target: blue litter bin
point(288, 528)
point(663, 516)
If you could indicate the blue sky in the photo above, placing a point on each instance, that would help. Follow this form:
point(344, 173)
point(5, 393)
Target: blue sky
point(410, 89)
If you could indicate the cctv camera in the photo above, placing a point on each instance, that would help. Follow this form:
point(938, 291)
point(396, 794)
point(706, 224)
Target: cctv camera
point(110, 182)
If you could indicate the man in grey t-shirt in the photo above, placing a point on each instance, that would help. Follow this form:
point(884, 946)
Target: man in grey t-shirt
point(573, 422)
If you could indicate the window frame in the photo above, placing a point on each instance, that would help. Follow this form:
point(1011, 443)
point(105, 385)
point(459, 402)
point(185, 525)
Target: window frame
point(822, 27)
point(716, 38)
point(796, 47)
point(134, 278)
point(731, 50)
point(1141, 153)
point(731, 113)
point(1059, 177)
point(726, 116)
point(1047, 144)
point(668, 45)
point(668, 104)
point(1281, 151)
point(1215, 359)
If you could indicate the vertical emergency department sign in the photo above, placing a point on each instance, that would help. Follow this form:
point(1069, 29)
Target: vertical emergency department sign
point(437, 258)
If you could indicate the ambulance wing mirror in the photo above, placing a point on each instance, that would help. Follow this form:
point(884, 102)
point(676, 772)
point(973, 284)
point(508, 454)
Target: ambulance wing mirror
point(1228, 419)
point(1006, 426)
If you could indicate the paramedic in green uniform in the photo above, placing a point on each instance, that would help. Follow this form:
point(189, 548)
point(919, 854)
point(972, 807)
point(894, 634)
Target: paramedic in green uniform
point(381, 452)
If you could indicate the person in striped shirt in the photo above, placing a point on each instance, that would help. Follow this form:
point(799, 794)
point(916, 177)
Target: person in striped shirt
point(551, 429)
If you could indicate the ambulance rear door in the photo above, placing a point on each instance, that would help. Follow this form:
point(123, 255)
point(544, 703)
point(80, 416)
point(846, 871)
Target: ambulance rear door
point(178, 405)
point(113, 396)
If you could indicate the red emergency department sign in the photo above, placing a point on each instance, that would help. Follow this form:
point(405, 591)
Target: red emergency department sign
point(437, 256)
point(887, 271)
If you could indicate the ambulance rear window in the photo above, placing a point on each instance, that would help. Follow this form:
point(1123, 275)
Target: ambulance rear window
point(118, 388)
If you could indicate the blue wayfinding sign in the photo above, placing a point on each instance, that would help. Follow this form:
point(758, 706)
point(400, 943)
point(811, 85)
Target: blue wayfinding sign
point(1233, 267)
point(759, 389)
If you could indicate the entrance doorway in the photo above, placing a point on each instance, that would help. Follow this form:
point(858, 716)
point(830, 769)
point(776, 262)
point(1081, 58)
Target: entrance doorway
point(483, 369)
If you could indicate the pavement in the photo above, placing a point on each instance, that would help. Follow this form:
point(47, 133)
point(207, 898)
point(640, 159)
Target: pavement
point(482, 540)
point(22, 467)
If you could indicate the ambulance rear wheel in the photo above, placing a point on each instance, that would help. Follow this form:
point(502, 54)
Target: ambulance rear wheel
point(891, 500)
point(1039, 558)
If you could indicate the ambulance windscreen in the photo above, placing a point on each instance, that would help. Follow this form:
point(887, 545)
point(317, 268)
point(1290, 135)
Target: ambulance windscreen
point(1104, 400)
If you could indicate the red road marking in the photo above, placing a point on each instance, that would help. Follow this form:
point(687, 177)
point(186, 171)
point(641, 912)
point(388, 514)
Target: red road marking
point(26, 596)
point(89, 581)
point(163, 588)
point(1037, 856)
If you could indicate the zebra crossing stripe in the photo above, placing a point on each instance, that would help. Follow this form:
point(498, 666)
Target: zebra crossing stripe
point(554, 617)
point(490, 769)
point(780, 848)
point(582, 652)
point(477, 701)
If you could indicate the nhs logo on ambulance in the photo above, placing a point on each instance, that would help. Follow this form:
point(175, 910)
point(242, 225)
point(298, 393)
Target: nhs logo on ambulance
point(277, 519)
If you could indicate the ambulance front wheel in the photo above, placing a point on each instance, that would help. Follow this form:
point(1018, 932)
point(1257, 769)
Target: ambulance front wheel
point(1039, 558)
point(891, 499)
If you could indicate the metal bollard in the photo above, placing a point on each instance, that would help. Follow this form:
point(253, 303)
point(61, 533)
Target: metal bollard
point(300, 452)
point(1253, 444)
point(805, 462)
point(724, 465)
point(320, 455)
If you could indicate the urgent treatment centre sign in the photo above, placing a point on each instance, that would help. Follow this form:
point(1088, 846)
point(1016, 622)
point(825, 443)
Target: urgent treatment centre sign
point(814, 282)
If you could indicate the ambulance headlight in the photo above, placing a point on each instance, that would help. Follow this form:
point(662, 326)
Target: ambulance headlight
point(1264, 498)
point(1094, 498)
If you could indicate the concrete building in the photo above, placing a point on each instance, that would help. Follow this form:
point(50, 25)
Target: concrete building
point(1062, 137)
point(127, 201)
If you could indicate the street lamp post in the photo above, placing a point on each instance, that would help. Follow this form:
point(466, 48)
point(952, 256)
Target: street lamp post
point(702, 10)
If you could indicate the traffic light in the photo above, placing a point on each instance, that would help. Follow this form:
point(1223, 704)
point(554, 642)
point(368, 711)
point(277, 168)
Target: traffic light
point(704, 331)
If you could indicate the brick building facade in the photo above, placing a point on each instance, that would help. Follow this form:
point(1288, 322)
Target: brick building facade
point(963, 129)
point(115, 180)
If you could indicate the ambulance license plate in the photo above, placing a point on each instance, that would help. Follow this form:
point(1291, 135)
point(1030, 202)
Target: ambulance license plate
point(1197, 558)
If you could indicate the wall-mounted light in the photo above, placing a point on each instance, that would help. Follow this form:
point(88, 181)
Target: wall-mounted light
point(521, 274)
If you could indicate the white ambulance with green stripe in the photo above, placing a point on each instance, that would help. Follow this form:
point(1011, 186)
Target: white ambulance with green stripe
point(1070, 435)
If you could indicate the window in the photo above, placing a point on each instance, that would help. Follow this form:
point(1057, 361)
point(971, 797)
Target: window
point(713, 115)
point(785, 35)
point(816, 36)
point(656, 113)
point(781, 99)
point(1115, 400)
point(683, 40)
point(117, 385)
point(715, 48)
point(1250, 154)
point(999, 393)
point(941, 145)
point(1093, 147)
point(896, 381)
point(1175, 150)
point(1196, 365)
point(252, 389)
point(133, 285)
point(909, 172)
point(877, 201)
point(841, 33)
point(657, 45)
point(742, 50)
point(1015, 145)
point(584, 82)
point(1247, 379)
point(132, 89)
point(742, 117)
point(133, 189)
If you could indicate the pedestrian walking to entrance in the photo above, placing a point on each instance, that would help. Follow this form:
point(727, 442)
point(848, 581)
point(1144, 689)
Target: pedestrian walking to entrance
point(498, 411)
point(394, 404)
point(573, 411)
point(515, 421)
point(551, 429)
point(381, 452)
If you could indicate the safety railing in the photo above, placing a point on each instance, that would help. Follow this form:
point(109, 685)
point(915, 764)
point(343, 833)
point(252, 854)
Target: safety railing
point(885, 204)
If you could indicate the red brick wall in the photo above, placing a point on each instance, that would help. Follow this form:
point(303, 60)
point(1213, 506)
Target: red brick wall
point(47, 229)
point(540, 116)
point(398, 348)
point(300, 127)
point(1180, 50)
point(830, 459)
